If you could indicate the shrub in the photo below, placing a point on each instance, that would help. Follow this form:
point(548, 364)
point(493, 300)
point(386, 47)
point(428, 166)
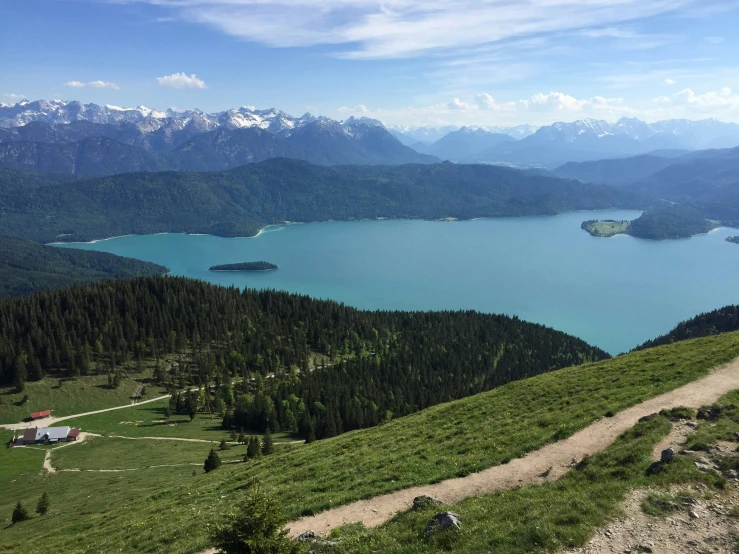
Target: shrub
point(212, 461)
point(256, 526)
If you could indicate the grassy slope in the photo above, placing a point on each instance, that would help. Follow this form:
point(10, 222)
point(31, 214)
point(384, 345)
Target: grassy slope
point(83, 394)
point(523, 520)
point(108, 453)
point(142, 511)
point(147, 420)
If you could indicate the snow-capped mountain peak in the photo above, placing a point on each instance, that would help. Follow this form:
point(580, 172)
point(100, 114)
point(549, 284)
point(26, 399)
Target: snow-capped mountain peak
point(146, 119)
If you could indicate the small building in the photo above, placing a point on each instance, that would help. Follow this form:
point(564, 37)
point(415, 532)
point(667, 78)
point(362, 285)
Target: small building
point(41, 415)
point(46, 435)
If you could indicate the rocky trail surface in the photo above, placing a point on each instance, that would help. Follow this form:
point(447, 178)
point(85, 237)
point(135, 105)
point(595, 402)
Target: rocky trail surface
point(546, 464)
point(698, 521)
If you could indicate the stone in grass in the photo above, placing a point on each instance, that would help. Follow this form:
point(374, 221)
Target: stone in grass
point(315, 538)
point(667, 456)
point(443, 521)
point(424, 501)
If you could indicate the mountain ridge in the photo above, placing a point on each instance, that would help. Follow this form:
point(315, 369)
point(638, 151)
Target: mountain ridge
point(240, 201)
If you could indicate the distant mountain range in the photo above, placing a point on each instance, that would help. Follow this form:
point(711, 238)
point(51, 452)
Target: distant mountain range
point(411, 136)
point(592, 139)
point(69, 137)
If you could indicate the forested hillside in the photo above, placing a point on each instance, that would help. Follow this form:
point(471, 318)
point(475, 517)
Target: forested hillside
point(373, 365)
point(723, 320)
point(27, 266)
point(241, 201)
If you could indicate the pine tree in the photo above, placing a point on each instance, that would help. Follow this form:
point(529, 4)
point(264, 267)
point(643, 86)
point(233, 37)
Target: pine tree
point(242, 438)
point(212, 461)
point(253, 448)
point(19, 513)
point(43, 505)
point(223, 446)
point(267, 444)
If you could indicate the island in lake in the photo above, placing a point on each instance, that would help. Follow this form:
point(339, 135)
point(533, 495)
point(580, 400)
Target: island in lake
point(244, 266)
point(735, 240)
point(606, 228)
point(666, 222)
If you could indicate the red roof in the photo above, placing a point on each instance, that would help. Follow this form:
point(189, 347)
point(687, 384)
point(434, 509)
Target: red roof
point(37, 415)
point(74, 433)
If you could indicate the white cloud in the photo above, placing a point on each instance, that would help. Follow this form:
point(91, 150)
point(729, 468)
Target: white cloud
point(724, 101)
point(93, 84)
point(180, 80)
point(13, 96)
point(670, 82)
point(400, 28)
point(103, 84)
point(539, 109)
point(457, 104)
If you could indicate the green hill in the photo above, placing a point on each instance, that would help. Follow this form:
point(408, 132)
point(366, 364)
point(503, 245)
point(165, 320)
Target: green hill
point(153, 508)
point(239, 202)
point(723, 320)
point(375, 365)
point(27, 266)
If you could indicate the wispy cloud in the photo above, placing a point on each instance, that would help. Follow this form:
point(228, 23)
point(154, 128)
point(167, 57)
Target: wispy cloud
point(401, 28)
point(181, 80)
point(669, 82)
point(92, 84)
point(12, 96)
point(484, 109)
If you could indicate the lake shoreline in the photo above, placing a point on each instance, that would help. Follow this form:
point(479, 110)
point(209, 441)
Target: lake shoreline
point(290, 223)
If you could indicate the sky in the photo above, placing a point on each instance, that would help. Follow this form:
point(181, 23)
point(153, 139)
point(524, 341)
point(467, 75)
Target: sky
point(405, 62)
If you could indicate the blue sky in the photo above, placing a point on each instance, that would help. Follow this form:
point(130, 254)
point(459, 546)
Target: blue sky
point(487, 62)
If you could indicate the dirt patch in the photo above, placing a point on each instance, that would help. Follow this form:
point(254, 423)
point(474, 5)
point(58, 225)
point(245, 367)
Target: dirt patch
point(698, 520)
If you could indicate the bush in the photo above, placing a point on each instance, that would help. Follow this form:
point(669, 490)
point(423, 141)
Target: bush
point(256, 526)
point(223, 446)
point(212, 461)
point(19, 513)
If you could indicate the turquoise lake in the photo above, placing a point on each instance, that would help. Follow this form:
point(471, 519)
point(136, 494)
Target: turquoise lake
point(614, 293)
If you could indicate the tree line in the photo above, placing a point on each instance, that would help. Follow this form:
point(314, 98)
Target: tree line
point(266, 359)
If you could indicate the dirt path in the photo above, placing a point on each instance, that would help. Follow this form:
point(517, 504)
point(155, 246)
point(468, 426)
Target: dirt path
point(47, 458)
point(49, 421)
point(532, 467)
